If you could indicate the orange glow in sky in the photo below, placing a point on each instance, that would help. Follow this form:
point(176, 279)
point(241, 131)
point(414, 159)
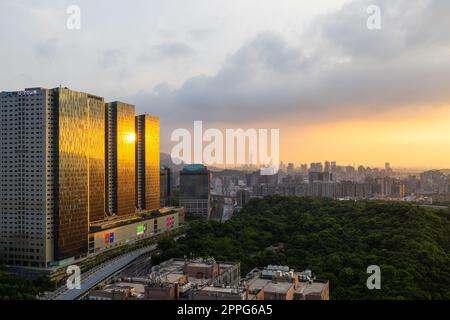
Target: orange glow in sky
point(419, 138)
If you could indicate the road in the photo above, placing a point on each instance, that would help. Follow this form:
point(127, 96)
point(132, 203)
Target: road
point(139, 268)
point(433, 206)
point(228, 210)
point(99, 274)
point(102, 272)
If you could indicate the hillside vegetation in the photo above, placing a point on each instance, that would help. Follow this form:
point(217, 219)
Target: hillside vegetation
point(338, 240)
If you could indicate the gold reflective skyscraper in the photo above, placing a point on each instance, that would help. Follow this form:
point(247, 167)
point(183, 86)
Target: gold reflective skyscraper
point(147, 163)
point(72, 150)
point(97, 151)
point(121, 139)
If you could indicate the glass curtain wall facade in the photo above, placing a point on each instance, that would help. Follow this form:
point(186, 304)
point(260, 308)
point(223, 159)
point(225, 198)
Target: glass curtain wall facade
point(97, 152)
point(72, 220)
point(147, 163)
point(81, 169)
point(121, 139)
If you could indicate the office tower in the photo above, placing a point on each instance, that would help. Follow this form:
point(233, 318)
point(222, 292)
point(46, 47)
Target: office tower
point(412, 184)
point(50, 165)
point(282, 167)
point(398, 189)
point(327, 166)
point(26, 201)
point(147, 163)
point(166, 186)
point(290, 169)
point(121, 138)
point(267, 179)
point(350, 170)
point(320, 176)
point(319, 167)
point(361, 170)
point(386, 186)
point(252, 179)
point(79, 119)
point(97, 169)
point(242, 197)
point(195, 193)
point(316, 167)
point(304, 168)
point(333, 166)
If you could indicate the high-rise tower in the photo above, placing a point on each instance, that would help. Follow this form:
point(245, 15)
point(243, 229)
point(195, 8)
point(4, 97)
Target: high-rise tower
point(147, 163)
point(120, 164)
point(52, 174)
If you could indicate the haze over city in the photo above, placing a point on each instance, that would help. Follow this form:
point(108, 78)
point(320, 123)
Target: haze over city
point(334, 88)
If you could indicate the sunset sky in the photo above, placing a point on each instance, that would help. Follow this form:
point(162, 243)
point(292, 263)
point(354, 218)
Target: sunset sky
point(335, 89)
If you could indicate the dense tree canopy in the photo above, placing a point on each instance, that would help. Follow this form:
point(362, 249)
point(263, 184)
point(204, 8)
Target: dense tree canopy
point(13, 287)
point(338, 240)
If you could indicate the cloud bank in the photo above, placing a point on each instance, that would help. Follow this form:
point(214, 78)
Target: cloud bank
point(340, 69)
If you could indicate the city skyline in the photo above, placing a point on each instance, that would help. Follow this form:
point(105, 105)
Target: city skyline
point(334, 88)
point(243, 151)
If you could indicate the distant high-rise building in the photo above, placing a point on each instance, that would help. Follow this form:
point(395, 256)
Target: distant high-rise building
point(267, 179)
point(333, 166)
point(320, 176)
point(252, 179)
point(121, 159)
point(147, 163)
point(304, 169)
point(361, 170)
point(282, 167)
point(316, 167)
point(350, 170)
point(386, 186)
point(290, 169)
point(319, 167)
point(195, 191)
point(242, 197)
point(387, 166)
point(166, 186)
point(398, 190)
point(327, 167)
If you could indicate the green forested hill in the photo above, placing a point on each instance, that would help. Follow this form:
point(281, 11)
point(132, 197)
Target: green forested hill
point(338, 240)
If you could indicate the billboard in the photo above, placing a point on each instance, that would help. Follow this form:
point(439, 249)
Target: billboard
point(109, 237)
point(170, 221)
point(141, 229)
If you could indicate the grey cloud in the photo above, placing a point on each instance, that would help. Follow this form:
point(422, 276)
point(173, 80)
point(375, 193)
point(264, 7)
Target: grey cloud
point(405, 26)
point(200, 34)
point(166, 33)
point(166, 51)
point(173, 50)
point(46, 49)
point(111, 58)
point(268, 51)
